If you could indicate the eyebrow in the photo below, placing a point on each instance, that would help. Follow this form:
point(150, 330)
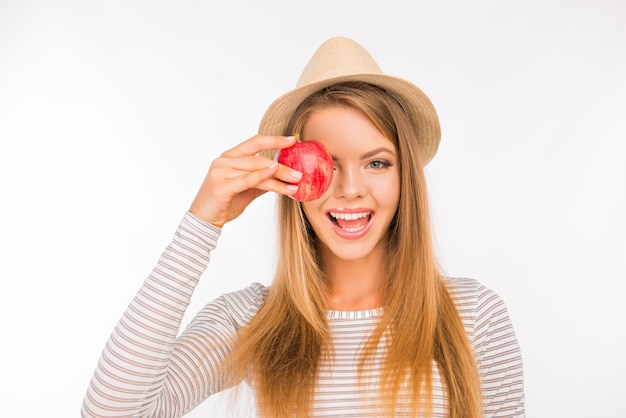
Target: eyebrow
point(372, 153)
point(376, 151)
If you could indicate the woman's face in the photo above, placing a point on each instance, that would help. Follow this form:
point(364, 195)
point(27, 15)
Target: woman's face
point(352, 218)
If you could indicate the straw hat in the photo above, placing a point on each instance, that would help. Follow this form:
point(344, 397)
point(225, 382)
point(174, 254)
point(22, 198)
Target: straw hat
point(338, 60)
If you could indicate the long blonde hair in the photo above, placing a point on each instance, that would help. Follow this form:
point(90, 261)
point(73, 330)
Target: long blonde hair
point(281, 348)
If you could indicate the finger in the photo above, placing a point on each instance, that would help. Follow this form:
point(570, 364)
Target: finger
point(259, 142)
point(234, 167)
point(277, 186)
point(288, 174)
point(265, 180)
point(240, 181)
point(244, 163)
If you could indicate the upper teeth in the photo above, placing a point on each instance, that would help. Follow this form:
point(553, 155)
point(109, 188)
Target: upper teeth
point(349, 216)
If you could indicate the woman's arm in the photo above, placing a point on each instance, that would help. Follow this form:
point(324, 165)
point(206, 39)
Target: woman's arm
point(499, 358)
point(144, 370)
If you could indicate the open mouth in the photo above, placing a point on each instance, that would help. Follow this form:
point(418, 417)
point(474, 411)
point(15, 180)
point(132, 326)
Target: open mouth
point(350, 222)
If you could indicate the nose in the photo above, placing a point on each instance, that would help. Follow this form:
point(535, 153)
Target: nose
point(349, 183)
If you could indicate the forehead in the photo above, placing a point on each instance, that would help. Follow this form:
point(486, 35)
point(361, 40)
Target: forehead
point(344, 128)
point(332, 120)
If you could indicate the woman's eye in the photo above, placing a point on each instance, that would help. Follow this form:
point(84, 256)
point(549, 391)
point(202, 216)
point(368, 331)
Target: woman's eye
point(378, 164)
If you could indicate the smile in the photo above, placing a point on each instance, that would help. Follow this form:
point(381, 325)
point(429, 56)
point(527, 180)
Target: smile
point(350, 225)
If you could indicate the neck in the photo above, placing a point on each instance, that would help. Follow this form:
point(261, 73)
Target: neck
point(353, 285)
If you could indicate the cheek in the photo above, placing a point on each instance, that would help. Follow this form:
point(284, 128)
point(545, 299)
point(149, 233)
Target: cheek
point(312, 212)
point(388, 192)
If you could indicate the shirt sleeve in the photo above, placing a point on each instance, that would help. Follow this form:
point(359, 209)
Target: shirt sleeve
point(145, 370)
point(498, 357)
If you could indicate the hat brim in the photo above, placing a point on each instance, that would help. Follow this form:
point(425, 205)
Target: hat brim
point(419, 108)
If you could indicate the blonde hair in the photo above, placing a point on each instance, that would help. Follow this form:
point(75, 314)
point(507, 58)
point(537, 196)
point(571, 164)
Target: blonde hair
point(282, 346)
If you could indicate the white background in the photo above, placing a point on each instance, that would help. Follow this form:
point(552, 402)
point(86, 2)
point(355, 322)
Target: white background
point(111, 112)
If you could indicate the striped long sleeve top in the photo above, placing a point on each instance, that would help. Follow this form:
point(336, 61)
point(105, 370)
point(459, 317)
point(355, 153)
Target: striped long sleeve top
point(148, 370)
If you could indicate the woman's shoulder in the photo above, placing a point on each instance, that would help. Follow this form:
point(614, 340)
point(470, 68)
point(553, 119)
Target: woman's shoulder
point(475, 302)
point(232, 310)
point(470, 292)
point(465, 291)
point(253, 295)
point(482, 310)
point(248, 299)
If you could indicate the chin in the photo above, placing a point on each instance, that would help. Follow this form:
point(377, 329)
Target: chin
point(351, 251)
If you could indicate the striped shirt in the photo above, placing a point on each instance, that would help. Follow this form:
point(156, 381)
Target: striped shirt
point(148, 370)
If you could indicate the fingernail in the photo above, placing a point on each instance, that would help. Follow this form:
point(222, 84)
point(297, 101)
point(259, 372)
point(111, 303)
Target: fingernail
point(290, 138)
point(296, 174)
point(292, 187)
point(273, 165)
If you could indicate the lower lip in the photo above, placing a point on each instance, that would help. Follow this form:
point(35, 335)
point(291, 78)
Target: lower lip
point(356, 234)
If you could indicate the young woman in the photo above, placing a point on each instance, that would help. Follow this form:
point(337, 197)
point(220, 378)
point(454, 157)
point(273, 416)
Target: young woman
point(358, 320)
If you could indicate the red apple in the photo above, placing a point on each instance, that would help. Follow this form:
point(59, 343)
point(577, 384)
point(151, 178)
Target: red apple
point(315, 163)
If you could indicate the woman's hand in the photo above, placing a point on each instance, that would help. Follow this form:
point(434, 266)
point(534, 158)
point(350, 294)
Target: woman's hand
point(239, 176)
